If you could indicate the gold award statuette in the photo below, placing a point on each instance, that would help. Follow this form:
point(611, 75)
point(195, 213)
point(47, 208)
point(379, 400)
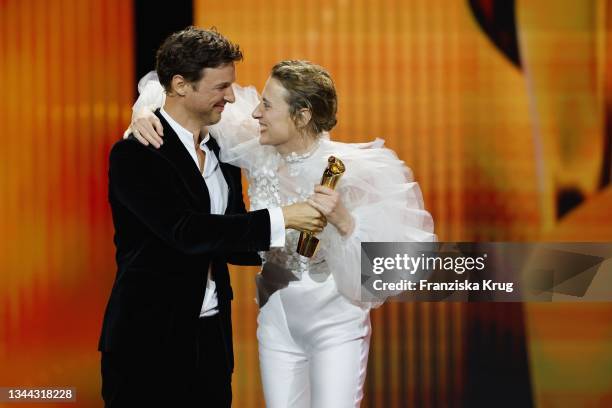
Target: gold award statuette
point(308, 243)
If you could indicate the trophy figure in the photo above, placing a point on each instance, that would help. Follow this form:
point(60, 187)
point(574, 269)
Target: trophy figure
point(308, 243)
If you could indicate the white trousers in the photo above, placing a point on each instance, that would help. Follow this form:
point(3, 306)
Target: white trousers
point(313, 347)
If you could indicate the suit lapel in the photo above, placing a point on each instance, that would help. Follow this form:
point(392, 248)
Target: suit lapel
point(174, 150)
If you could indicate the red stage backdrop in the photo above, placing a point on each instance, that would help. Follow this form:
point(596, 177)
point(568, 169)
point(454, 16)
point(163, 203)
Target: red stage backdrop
point(506, 146)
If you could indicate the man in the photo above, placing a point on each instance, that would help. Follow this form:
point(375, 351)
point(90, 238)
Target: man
point(179, 217)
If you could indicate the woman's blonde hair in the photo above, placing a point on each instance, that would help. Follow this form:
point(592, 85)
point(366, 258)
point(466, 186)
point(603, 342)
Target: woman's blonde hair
point(308, 86)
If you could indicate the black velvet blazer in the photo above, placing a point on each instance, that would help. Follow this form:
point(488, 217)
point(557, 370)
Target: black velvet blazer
point(165, 240)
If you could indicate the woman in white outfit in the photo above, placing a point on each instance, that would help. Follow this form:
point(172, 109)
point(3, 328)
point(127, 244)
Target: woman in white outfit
point(313, 327)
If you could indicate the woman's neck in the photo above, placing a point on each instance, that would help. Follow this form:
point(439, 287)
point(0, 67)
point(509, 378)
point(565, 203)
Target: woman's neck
point(298, 145)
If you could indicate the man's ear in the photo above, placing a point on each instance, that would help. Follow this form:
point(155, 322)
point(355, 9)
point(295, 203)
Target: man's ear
point(178, 85)
point(303, 117)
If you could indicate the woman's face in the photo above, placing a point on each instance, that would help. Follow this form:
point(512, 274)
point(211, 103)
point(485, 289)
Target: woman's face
point(276, 126)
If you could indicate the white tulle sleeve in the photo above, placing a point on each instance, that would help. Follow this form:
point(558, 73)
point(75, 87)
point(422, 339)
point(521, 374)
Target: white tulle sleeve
point(386, 205)
point(151, 93)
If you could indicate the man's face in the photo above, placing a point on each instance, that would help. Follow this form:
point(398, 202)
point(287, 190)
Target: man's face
point(207, 97)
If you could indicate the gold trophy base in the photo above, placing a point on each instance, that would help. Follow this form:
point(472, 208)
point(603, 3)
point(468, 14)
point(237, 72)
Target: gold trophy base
point(307, 245)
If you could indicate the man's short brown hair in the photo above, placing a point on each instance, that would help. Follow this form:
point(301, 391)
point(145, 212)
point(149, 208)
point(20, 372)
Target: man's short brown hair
point(189, 51)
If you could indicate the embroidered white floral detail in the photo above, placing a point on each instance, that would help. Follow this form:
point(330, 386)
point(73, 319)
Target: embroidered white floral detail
point(265, 192)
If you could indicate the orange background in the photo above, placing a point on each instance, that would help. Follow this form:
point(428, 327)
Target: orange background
point(491, 145)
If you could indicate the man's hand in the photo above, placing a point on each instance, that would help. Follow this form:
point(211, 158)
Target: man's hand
point(303, 217)
point(147, 128)
point(328, 202)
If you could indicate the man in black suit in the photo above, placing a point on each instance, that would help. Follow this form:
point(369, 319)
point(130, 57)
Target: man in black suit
point(179, 218)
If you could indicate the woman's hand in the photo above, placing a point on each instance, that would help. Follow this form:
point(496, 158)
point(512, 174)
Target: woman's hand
point(147, 128)
point(328, 202)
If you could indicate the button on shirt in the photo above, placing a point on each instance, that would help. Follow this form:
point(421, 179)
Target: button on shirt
point(218, 192)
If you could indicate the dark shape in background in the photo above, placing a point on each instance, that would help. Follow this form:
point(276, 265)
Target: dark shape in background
point(153, 24)
point(567, 200)
point(498, 20)
point(497, 364)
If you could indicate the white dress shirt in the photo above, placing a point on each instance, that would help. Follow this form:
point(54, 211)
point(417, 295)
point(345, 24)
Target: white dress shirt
point(218, 192)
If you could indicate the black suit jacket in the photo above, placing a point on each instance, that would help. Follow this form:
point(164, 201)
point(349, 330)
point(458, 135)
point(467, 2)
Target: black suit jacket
point(166, 239)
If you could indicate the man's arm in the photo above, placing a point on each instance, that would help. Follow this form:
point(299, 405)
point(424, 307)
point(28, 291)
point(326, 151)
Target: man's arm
point(142, 181)
point(242, 258)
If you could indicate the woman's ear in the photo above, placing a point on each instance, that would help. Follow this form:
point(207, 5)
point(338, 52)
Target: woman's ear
point(303, 117)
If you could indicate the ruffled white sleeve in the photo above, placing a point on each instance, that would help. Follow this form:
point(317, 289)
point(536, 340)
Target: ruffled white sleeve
point(151, 93)
point(386, 205)
point(151, 96)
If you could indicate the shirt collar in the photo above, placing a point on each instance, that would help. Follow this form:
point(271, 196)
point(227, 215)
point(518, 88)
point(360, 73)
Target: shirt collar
point(183, 134)
point(186, 138)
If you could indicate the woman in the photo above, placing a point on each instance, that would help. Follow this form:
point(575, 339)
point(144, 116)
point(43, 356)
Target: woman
point(313, 327)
